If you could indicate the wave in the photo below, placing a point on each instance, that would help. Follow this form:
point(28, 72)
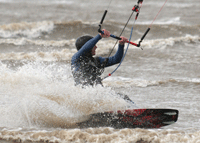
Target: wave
point(68, 2)
point(163, 21)
point(100, 135)
point(25, 29)
point(63, 55)
point(62, 43)
point(54, 55)
point(181, 5)
point(162, 43)
point(25, 41)
point(173, 22)
point(73, 29)
point(67, 53)
point(127, 82)
point(172, 4)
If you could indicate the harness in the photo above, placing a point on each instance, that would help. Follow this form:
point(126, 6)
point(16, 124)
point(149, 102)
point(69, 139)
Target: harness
point(89, 71)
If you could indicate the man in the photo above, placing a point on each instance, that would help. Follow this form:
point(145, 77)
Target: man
point(86, 69)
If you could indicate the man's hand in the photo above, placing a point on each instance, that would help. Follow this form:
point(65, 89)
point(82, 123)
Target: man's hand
point(106, 34)
point(123, 40)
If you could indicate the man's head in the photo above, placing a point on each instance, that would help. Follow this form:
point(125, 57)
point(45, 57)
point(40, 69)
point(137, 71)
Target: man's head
point(81, 41)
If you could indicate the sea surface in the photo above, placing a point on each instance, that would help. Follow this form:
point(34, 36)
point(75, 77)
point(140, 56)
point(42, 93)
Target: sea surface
point(38, 99)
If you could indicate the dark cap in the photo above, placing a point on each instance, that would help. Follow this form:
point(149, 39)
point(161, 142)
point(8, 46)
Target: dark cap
point(82, 40)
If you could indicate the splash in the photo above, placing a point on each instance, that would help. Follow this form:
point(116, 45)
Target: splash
point(39, 94)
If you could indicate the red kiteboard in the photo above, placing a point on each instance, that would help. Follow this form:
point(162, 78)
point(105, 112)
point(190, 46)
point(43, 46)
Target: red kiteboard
point(132, 118)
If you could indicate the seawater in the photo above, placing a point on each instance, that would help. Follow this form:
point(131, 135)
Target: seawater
point(39, 102)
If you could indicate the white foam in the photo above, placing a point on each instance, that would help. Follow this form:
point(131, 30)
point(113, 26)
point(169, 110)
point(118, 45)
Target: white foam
point(102, 135)
point(180, 5)
point(68, 2)
point(65, 54)
point(129, 82)
point(25, 41)
point(171, 4)
point(24, 29)
point(163, 21)
point(162, 43)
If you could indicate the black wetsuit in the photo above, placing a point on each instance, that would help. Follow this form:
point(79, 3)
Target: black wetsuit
point(86, 69)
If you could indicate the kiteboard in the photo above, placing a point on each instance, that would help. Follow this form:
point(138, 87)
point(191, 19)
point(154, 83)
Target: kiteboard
point(132, 118)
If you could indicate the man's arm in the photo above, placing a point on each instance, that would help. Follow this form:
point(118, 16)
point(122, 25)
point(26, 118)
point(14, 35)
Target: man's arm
point(114, 59)
point(118, 56)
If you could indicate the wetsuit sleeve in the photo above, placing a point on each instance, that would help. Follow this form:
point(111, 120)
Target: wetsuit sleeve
point(86, 48)
point(114, 59)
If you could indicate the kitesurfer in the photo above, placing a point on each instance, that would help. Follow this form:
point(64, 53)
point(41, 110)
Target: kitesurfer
point(87, 69)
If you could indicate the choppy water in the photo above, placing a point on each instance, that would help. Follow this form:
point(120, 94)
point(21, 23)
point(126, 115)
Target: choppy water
point(38, 99)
